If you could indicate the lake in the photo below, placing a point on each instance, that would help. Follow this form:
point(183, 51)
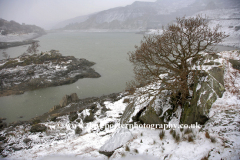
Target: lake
point(109, 51)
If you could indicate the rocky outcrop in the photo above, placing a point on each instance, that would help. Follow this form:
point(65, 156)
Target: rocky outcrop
point(43, 70)
point(127, 114)
point(54, 108)
point(205, 93)
point(155, 111)
point(67, 99)
point(210, 86)
point(150, 116)
point(89, 118)
point(2, 124)
point(78, 130)
point(74, 97)
point(38, 128)
point(235, 63)
point(120, 137)
point(27, 140)
point(73, 116)
point(76, 105)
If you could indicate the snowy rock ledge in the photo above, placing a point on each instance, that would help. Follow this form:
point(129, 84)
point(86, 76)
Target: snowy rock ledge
point(121, 137)
point(47, 69)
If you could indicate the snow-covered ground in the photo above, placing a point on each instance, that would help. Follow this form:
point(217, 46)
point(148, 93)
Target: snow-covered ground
point(228, 19)
point(219, 138)
point(17, 37)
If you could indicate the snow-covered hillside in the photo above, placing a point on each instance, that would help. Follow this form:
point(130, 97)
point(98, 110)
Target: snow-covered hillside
point(139, 9)
point(139, 15)
point(153, 15)
point(219, 138)
point(229, 21)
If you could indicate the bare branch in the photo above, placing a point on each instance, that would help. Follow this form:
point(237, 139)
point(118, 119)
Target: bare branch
point(175, 52)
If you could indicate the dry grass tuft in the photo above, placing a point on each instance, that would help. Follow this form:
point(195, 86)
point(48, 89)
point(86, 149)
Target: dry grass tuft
point(127, 149)
point(161, 134)
point(204, 158)
point(207, 135)
point(190, 138)
point(213, 139)
point(188, 130)
point(135, 150)
point(177, 137)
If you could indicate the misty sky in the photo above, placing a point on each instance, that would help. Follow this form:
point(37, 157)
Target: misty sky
point(46, 13)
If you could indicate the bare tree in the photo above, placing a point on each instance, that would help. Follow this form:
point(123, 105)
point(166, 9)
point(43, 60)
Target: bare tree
point(5, 55)
point(33, 49)
point(174, 54)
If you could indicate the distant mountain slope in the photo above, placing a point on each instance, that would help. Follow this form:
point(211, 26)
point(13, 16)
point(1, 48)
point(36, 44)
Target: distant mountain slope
point(75, 20)
point(139, 15)
point(146, 15)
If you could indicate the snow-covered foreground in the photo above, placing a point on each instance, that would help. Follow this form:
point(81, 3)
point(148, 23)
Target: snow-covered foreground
point(219, 138)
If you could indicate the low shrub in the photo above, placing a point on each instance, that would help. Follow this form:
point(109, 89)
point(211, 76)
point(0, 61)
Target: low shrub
point(207, 135)
point(127, 149)
point(205, 158)
point(161, 134)
point(188, 130)
point(177, 137)
point(190, 138)
point(135, 150)
point(174, 134)
point(78, 130)
point(213, 139)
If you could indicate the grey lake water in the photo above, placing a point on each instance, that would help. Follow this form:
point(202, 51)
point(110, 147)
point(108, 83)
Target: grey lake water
point(109, 51)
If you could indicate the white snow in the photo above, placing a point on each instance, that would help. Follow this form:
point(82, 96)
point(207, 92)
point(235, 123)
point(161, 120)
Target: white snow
point(228, 19)
point(198, 86)
point(60, 141)
point(120, 137)
point(231, 97)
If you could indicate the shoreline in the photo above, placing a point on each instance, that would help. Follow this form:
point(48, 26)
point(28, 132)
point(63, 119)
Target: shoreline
point(61, 109)
point(5, 45)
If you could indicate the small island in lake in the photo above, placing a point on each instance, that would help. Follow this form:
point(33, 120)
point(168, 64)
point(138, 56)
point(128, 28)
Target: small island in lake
point(30, 72)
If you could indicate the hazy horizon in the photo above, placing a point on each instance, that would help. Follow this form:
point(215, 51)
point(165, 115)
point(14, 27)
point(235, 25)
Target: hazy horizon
point(47, 13)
